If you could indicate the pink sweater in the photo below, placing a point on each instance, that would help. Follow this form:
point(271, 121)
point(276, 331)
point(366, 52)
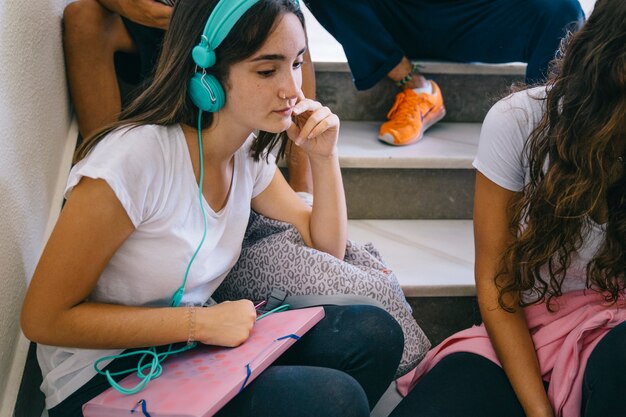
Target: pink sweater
point(563, 340)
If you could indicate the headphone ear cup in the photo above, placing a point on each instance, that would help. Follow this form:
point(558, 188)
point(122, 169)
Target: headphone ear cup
point(206, 92)
point(203, 56)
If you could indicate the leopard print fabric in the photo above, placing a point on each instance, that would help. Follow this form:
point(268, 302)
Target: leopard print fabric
point(275, 256)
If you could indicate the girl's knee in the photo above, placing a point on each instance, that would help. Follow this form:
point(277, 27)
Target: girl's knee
point(376, 327)
point(562, 12)
point(85, 21)
point(343, 396)
point(325, 392)
point(84, 12)
point(607, 362)
point(605, 376)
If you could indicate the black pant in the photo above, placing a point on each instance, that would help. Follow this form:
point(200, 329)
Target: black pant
point(376, 34)
point(339, 368)
point(468, 385)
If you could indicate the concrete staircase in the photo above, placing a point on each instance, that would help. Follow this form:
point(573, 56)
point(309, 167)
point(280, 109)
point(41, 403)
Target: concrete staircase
point(414, 203)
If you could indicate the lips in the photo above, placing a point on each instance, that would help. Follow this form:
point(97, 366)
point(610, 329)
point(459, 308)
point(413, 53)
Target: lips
point(285, 111)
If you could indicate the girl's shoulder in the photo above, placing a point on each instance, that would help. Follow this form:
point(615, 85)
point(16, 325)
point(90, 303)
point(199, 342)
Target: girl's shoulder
point(149, 146)
point(524, 106)
point(516, 115)
point(138, 137)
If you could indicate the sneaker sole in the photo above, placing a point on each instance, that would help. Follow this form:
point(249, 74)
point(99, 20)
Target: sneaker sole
point(390, 140)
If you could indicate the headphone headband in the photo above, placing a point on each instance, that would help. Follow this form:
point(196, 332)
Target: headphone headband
point(222, 19)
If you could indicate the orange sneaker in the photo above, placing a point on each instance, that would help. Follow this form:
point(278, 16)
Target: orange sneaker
point(411, 115)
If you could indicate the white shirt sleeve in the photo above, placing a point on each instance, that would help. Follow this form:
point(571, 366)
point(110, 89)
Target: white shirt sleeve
point(131, 163)
point(507, 126)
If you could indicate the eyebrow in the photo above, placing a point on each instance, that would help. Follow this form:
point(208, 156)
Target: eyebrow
point(274, 57)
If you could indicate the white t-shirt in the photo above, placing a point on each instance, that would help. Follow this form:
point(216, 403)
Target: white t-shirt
point(150, 171)
point(502, 159)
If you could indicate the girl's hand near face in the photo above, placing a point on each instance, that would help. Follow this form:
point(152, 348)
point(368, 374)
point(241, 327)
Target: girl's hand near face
point(323, 226)
point(315, 128)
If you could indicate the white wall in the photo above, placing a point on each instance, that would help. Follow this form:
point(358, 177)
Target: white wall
point(34, 127)
point(587, 6)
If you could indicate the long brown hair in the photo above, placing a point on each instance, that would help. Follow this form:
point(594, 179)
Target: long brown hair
point(576, 171)
point(165, 100)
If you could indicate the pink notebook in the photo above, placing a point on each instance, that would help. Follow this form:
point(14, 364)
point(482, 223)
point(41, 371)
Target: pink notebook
point(199, 382)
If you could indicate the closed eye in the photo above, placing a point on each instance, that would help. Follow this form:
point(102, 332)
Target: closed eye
point(266, 73)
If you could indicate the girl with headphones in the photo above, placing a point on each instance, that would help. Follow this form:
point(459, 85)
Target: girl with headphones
point(163, 197)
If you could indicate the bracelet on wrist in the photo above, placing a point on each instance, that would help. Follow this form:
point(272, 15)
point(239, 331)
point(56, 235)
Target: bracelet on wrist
point(409, 76)
point(191, 322)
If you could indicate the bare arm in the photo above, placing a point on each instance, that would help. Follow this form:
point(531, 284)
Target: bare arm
point(508, 331)
point(300, 178)
point(323, 227)
point(308, 75)
point(92, 226)
point(145, 12)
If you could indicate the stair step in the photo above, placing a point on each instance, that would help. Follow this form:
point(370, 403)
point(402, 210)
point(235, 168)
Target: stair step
point(432, 179)
point(434, 263)
point(468, 92)
point(431, 258)
point(444, 146)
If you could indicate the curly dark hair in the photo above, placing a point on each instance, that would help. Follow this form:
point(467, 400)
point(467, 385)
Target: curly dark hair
point(577, 173)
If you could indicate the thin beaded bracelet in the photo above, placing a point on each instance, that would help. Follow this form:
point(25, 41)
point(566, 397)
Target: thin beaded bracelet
point(191, 319)
point(409, 76)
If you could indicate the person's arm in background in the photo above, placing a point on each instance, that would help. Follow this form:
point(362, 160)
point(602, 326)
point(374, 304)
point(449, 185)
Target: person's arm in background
point(508, 331)
point(93, 32)
point(145, 12)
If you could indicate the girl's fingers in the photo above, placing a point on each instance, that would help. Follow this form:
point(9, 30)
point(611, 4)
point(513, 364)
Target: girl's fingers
point(305, 105)
point(293, 131)
point(329, 122)
point(314, 119)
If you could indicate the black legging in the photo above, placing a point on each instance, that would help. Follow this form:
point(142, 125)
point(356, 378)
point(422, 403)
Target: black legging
point(468, 385)
point(339, 368)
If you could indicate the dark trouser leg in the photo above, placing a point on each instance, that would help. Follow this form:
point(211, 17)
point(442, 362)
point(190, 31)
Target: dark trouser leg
point(556, 18)
point(303, 391)
point(363, 341)
point(375, 34)
point(357, 25)
point(462, 385)
point(341, 367)
point(604, 384)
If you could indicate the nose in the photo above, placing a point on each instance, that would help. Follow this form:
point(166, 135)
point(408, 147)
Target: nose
point(291, 85)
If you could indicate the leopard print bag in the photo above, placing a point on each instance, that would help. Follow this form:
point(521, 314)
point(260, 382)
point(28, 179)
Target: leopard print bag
point(274, 256)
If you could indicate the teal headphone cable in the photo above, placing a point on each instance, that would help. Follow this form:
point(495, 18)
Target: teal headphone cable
point(154, 366)
point(178, 295)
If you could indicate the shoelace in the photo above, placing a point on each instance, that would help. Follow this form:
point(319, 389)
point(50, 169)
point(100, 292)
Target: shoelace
point(403, 110)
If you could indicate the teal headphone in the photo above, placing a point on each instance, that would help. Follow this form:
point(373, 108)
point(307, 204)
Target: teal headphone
point(205, 90)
